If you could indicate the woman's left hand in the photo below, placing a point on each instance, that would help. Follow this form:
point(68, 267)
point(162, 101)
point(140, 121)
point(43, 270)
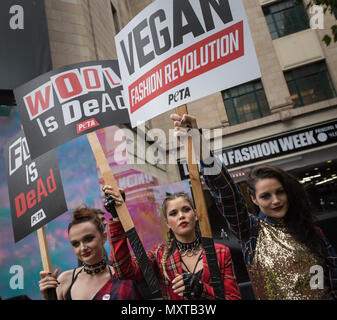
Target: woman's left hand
point(178, 285)
point(187, 285)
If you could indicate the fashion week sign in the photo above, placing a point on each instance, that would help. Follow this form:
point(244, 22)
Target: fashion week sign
point(297, 141)
point(279, 146)
point(177, 51)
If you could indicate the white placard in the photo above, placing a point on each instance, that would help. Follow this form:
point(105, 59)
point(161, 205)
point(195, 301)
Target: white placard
point(177, 51)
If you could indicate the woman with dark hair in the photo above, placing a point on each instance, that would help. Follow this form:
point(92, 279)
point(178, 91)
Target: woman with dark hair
point(282, 247)
point(95, 279)
point(180, 264)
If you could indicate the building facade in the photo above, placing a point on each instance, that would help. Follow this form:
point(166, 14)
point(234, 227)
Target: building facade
point(288, 117)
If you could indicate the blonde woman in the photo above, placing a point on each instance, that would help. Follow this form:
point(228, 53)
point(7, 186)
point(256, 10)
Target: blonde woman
point(180, 264)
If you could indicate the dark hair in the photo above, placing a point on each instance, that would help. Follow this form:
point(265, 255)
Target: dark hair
point(97, 211)
point(298, 219)
point(85, 214)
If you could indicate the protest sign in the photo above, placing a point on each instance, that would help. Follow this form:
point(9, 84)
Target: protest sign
point(35, 187)
point(177, 51)
point(71, 101)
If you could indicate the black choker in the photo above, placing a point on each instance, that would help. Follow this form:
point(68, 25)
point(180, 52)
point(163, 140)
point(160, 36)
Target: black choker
point(95, 268)
point(188, 249)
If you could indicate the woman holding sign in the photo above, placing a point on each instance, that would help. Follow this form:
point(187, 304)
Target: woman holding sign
point(180, 264)
point(95, 279)
point(287, 257)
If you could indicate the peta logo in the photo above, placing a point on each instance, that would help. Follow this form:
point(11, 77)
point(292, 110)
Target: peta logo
point(179, 95)
point(37, 217)
point(86, 125)
point(17, 20)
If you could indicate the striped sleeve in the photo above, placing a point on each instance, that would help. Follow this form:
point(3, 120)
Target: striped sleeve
point(125, 266)
point(229, 200)
point(227, 277)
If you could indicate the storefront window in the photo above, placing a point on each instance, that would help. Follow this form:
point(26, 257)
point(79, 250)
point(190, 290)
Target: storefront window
point(245, 102)
point(286, 17)
point(320, 181)
point(310, 84)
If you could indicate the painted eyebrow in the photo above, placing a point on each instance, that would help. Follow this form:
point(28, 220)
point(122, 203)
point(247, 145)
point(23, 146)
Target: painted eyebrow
point(264, 194)
point(183, 208)
point(88, 236)
point(268, 193)
point(83, 238)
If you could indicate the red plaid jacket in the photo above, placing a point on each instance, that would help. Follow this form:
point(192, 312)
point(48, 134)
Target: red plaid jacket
point(116, 289)
point(126, 267)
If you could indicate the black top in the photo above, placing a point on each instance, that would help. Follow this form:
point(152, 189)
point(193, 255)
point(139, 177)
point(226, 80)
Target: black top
point(199, 273)
point(68, 294)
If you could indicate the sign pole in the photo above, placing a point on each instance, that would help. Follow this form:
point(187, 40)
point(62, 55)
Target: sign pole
point(45, 257)
point(201, 209)
point(44, 251)
point(124, 216)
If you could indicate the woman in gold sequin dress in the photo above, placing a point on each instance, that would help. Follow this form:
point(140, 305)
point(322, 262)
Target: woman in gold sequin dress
point(287, 256)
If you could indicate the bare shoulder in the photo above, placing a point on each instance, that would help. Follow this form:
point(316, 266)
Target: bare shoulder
point(66, 276)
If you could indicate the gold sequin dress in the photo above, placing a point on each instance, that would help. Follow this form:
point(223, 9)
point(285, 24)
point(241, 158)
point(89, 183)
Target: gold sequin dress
point(281, 266)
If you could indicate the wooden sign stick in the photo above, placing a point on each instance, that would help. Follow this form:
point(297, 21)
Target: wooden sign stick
point(124, 216)
point(43, 244)
point(201, 209)
point(45, 257)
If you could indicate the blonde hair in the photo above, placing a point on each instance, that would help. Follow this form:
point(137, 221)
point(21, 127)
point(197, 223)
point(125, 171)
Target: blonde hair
point(171, 237)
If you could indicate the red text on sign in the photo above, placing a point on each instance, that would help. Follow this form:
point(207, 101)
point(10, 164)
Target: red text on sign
point(204, 56)
point(23, 202)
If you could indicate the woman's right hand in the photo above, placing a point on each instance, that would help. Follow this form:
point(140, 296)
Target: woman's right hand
point(48, 281)
point(112, 200)
point(182, 124)
point(116, 196)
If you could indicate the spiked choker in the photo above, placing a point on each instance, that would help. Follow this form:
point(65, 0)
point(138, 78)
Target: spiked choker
point(188, 249)
point(94, 268)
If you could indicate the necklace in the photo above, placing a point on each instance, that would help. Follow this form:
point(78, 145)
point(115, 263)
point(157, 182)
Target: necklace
point(188, 249)
point(95, 268)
